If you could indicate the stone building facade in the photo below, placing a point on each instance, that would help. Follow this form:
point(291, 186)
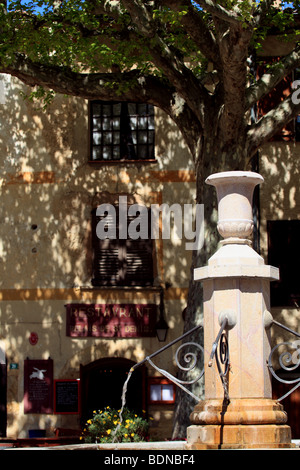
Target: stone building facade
point(49, 189)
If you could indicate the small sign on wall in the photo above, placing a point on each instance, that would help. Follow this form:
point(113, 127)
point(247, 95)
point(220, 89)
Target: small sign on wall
point(38, 386)
point(33, 338)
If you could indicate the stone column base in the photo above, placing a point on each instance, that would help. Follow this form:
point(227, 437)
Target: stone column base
point(239, 424)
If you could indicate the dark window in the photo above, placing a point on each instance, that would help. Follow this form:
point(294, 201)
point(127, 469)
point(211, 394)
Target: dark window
point(120, 262)
point(284, 253)
point(121, 131)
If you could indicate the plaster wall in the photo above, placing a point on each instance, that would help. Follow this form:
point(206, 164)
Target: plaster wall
point(48, 188)
point(280, 200)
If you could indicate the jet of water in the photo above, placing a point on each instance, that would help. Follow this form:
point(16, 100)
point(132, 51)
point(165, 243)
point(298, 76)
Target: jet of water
point(123, 398)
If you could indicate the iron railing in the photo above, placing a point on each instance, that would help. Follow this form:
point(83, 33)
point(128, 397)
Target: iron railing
point(219, 353)
point(188, 361)
point(288, 361)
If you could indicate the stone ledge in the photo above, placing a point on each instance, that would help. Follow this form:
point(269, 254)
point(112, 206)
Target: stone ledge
point(215, 272)
point(145, 446)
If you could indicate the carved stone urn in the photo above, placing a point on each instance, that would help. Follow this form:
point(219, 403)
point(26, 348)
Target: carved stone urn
point(235, 192)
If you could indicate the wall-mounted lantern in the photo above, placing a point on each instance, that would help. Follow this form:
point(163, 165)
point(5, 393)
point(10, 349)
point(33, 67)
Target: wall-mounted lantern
point(161, 326)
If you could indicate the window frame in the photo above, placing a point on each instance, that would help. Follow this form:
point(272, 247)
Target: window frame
point(125, 133)
point(160, 381)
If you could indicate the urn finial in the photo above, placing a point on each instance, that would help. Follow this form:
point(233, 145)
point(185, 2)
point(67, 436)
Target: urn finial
point(235, 192)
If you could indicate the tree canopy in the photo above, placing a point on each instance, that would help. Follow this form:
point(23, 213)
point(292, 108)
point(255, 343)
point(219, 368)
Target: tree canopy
point(189, 58)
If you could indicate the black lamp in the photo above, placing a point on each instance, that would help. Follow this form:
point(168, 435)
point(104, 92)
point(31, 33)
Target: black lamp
point(161, 326)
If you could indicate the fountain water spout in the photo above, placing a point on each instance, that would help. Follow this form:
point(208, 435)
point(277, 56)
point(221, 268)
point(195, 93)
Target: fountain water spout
point(180, 383)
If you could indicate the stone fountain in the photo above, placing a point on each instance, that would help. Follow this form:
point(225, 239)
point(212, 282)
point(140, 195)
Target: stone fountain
point(238, 411)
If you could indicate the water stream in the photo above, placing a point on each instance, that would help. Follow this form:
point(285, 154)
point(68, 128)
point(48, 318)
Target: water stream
point(123, 403)
point(163, 372)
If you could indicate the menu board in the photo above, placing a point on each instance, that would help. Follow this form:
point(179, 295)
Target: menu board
point(66, 396)
point(38, 386)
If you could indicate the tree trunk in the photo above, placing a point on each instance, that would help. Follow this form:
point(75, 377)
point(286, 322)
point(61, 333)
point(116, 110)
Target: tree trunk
point(213, 162)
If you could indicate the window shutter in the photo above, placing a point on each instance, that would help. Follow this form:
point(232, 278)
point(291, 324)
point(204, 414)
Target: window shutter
point(121, 262)
point(106, 263)
point(106, 256)
point(139, 264)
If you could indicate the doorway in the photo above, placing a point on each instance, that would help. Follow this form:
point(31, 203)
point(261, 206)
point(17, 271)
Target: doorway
point(102, 385)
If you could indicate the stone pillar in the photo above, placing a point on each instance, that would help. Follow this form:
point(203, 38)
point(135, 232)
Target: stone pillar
point(236, 286)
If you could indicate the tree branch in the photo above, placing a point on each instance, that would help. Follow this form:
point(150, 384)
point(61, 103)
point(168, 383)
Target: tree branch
point(131, 86)
point(271, 123)
point(125, 86)
point(197, 30)
point(220, 12)
point(108, 7)
point(270, 79)
point(261, 10)
point(169, 61)
point(141, 17)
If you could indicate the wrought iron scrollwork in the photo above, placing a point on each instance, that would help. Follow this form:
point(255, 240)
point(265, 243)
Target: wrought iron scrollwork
point(221, 356)
point(288, 361)
point(190, 359)
point(192, 365)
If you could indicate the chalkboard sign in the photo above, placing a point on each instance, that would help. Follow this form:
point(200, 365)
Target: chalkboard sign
point(66, 396)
